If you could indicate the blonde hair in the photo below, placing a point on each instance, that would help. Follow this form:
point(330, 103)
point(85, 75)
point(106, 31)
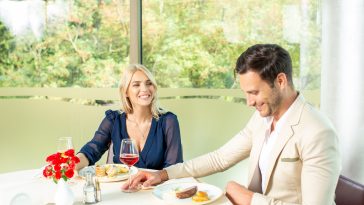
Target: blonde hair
point(125, 81)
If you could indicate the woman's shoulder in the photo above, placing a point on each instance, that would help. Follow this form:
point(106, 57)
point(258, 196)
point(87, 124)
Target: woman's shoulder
point(167, 114)
point(113, 114)
point(167, 118)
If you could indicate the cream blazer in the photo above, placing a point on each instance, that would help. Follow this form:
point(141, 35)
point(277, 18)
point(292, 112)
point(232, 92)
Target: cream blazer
point(304, 166)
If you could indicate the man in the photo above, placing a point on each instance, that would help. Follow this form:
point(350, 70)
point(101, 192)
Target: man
point(293, 149)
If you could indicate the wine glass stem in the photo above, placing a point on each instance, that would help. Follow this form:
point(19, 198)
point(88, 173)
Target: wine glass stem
point(129, 173)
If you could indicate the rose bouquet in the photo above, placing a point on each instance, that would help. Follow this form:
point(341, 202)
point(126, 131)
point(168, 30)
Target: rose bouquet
point(61, 165)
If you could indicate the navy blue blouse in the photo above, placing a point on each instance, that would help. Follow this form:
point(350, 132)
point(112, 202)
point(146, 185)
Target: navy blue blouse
point(162, 148)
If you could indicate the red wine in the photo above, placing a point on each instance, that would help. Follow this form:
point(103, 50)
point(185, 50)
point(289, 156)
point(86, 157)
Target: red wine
point(129, 159)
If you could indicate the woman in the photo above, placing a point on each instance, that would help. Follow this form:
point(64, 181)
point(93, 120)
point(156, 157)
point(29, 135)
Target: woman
point(155, 131)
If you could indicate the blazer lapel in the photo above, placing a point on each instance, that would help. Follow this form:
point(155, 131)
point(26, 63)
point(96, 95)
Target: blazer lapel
point(285, 134)
point(255, 179)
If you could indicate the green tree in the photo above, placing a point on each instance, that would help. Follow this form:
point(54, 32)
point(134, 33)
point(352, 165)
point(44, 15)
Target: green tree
point(7, 45)
point(87, 49)
point(185, 43)
point(196, 43)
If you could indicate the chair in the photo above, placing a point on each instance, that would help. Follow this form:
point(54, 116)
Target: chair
point(349, 192)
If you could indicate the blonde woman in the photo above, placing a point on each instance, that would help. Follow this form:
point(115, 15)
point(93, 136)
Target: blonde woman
point(155, 131)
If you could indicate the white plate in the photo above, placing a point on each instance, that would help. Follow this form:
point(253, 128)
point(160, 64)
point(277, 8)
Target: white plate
point(166, 192)
point(119, 177)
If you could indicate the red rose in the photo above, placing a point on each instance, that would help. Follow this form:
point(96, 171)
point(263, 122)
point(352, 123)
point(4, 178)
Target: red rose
point(69, 173)
point(70, 153)
point(72, 165)
point(54, 158)
point(57, 167)
point(50, 158)
point(58, 175)
point(61, 165)
point(47, 171)
point(76, 159)
point(63, 160)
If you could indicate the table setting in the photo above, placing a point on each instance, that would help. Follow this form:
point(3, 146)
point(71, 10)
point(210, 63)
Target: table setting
point(30, 185)
point(58, 183)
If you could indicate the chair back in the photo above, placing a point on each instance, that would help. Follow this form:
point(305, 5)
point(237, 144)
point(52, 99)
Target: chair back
point(349, 192)
point(110, 154)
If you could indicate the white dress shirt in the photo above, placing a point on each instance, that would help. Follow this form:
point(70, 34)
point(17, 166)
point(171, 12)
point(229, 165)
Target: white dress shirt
point(270, 140)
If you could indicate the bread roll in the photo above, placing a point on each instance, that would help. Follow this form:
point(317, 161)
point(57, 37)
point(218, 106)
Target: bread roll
point(100, 171)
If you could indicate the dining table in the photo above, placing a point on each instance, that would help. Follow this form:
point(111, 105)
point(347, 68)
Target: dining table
point(29, 187)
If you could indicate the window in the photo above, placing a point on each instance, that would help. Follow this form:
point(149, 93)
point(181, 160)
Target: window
point(63, 43)
point(194, 44)
point(186, 43)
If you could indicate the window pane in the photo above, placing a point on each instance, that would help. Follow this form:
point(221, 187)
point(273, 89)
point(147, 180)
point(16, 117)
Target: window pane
point(63, 43)
point(195, 43)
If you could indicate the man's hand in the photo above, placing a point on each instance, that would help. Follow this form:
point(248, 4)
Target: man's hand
point(238, 194)
point(145, 178)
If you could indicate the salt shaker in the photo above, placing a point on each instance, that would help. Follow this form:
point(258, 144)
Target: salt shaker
point(98, 190)
point(89, 190)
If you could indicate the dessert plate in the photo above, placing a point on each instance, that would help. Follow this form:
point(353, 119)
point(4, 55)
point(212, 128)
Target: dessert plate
point(167, 192)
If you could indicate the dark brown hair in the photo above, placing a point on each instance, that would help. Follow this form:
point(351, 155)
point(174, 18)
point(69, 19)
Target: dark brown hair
point(268, 60)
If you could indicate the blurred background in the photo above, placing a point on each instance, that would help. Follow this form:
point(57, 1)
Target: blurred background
point(61, 60)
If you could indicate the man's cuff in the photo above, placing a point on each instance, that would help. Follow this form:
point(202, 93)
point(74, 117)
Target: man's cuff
point(259, 199)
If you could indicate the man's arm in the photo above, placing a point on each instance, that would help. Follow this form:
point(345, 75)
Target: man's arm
point(232, 152)
point(236, 149)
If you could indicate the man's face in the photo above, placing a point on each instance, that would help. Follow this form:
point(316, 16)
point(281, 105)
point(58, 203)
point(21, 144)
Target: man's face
point(260, 94)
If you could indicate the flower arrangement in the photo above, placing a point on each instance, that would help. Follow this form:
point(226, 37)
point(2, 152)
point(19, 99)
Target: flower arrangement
point(61, 165)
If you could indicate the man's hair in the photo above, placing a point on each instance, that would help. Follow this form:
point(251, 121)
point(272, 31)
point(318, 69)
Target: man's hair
point(268, 60)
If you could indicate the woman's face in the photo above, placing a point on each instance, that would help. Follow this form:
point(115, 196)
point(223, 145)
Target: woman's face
point(141, 90)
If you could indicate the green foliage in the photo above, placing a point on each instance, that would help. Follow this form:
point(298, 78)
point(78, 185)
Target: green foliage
point(196, 43)
point(7, 45)
point(185, 43)
point(88, 49)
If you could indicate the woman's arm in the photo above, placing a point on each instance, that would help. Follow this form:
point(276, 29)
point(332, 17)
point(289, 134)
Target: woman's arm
point(83, 161)
point(93, 150)
point(173, 153)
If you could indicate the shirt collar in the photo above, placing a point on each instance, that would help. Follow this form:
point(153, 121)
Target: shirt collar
point(284, 117)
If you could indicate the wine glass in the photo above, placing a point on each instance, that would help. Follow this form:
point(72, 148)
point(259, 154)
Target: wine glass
point(129, 155)
point(64, 144)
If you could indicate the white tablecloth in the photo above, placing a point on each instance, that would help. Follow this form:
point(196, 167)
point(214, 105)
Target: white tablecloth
point(37, 190)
